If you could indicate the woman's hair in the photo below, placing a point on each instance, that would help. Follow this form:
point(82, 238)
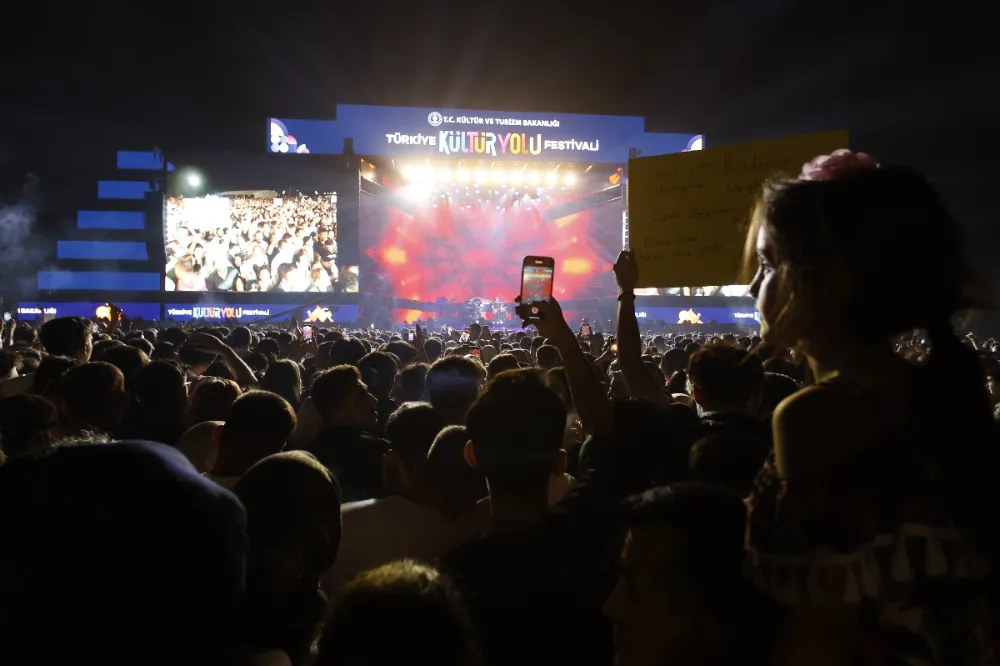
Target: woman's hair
point(888, 232)
point(886, 229)
point(284, 378)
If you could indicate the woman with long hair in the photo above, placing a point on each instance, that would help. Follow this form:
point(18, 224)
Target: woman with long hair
point(874, 519)
point(284, 378)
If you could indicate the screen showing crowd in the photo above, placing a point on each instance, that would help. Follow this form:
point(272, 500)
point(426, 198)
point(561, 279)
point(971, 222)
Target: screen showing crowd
point(255, 242)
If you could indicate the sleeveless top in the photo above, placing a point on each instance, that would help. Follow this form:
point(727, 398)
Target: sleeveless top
point(875, 521)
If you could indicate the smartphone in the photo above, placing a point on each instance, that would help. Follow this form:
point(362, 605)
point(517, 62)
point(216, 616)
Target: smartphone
point(586, 331)
point(537, 275)
point(307, 332)
point(6, 316)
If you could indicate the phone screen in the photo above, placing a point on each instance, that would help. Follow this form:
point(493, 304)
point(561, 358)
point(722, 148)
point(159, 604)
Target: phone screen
point(586, 330)
point(536, 283)
point(307, 332)
point(6, 316)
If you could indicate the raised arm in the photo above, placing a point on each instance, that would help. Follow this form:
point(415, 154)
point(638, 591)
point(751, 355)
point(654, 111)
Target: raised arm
point(419, 339)
point(584, 384)
point(641, 384)
point(211, 344)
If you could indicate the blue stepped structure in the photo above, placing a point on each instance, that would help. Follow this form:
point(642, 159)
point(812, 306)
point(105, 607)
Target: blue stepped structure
point(115, 252)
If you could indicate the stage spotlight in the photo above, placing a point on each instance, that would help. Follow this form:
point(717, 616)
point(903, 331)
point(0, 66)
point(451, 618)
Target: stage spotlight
point(534, 178)
point(482, 176)
point(409, 172)
point(516, 176)
point(427, 173)
point(499, 176)
point(445, 174)
point(418, 191)
point(569, 179)
point(194, 179)
point(463, 175)
point(551, 178)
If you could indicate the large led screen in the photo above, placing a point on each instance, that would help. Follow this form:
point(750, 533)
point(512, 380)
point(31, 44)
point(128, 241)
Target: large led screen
point(255, 242)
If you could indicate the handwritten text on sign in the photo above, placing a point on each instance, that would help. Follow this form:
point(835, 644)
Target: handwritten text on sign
point(689, 212)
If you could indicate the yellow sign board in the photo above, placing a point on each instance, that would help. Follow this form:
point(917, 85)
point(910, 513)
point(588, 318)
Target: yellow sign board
point(689, 212)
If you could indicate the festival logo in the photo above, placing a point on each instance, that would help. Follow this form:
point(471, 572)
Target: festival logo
point(319, 315)
point(282, 141)
point(696, 143)
point(104, 312)
point(689, 317)
point(495, 144)
point(435, 119)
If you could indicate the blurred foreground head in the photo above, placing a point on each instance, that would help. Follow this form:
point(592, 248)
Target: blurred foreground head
point(116, 554)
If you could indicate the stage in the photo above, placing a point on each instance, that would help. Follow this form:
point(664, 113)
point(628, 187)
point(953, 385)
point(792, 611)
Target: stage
point(385, 215)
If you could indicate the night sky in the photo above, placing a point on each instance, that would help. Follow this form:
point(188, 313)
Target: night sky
point(914, 82)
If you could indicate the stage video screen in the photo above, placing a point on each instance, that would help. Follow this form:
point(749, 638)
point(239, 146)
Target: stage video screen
point(255, 242)
point(456, 242)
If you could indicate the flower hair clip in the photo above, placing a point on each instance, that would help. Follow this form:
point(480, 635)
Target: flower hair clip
point(836, 164)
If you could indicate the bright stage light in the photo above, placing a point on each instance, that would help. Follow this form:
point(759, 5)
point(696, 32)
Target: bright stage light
point(551, 178)
point(499, 176)
point(409, 172)
point(515, 177)
point(534, 178)
point(463, 175)
point(194, 180)
point(445, 174)
point(569, 179)
point(418, 191)
point(427, 173)
point(482, 176)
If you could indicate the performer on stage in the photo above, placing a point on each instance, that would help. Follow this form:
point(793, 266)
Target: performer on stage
point(499, 310)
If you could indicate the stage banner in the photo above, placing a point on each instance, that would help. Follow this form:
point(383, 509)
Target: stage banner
point(429, 133)
point(689, 212)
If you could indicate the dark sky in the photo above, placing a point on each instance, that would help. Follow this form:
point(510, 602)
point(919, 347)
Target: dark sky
point(914, 81)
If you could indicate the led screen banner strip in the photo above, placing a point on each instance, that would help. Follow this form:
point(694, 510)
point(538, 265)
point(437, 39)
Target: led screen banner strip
point(698, 315)
point(28, 310)
point(320, 312)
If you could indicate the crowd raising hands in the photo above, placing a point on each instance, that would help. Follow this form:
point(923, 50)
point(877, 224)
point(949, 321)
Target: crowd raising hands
point(822, 493)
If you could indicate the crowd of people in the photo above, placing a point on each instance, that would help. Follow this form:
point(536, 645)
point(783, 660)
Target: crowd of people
point(823, 493)
point(286, 243)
